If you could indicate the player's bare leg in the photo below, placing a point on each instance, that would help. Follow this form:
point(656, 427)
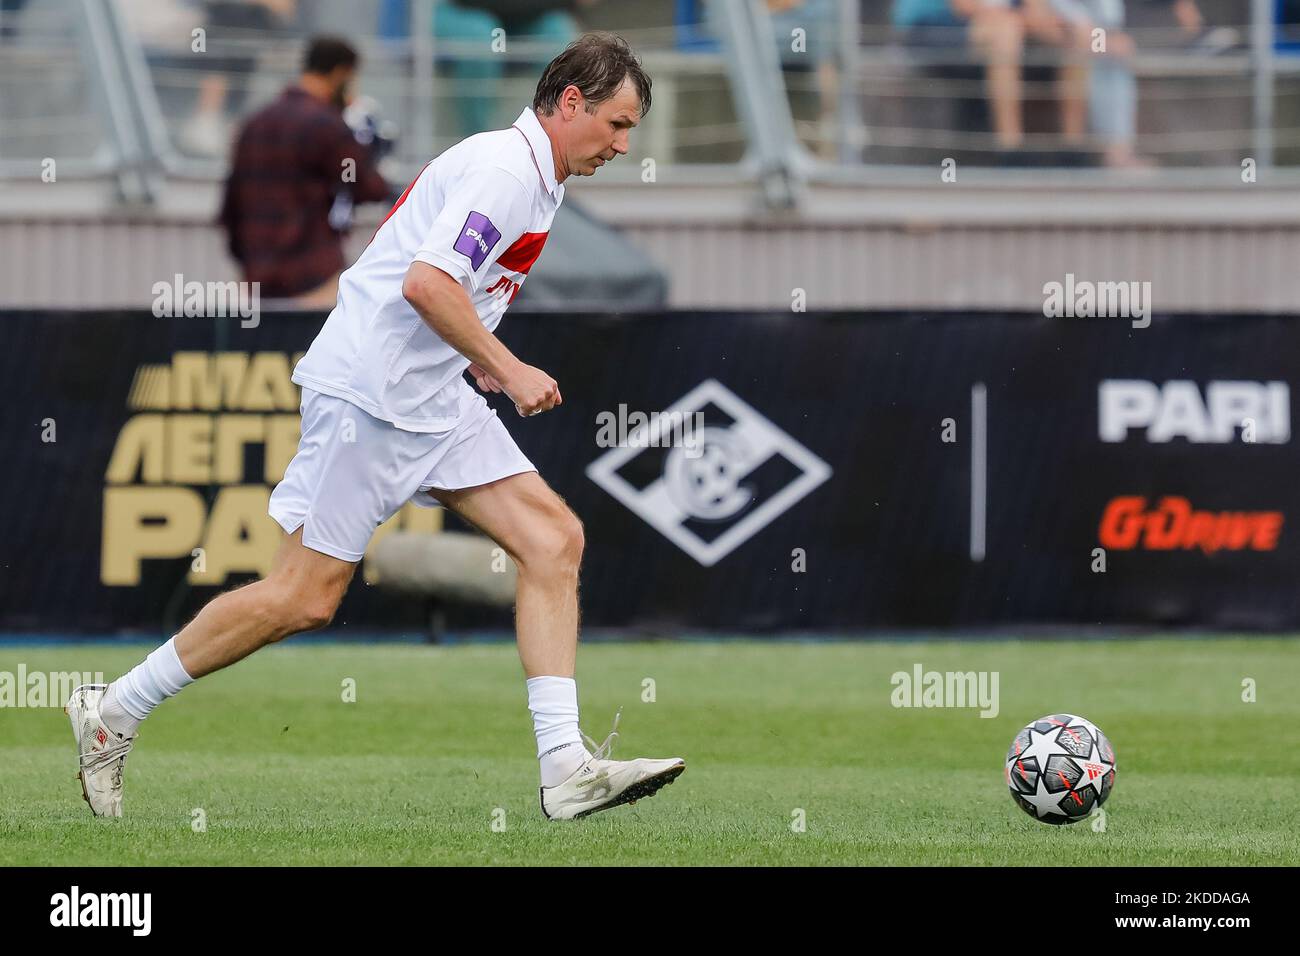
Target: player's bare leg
point(301, 593)
point(544, 538)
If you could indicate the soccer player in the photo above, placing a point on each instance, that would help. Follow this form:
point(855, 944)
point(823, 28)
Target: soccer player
point(387, 417)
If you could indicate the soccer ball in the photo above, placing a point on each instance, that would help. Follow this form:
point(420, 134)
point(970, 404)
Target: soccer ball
point(1060, 768)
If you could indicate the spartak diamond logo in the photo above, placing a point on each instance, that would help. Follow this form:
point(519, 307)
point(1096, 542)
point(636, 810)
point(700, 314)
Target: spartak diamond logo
point(741, 474)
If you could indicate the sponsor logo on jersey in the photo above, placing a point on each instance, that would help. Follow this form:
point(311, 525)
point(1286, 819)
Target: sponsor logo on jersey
point(478, 237)
point(503, 287)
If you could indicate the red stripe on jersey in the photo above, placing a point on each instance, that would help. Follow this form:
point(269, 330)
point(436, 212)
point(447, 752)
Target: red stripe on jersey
point(400, 199)
point(521, 256)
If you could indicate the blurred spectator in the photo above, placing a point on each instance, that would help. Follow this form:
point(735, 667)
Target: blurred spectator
point(1112, 86)
point(477, 77)
point(819, 21)
point(1201, 37)
point(165, 29)
point(294, 161)
point(475, 68)
point(812, 49)
point(206, 132)
point(1188, 15)
point(998, 30)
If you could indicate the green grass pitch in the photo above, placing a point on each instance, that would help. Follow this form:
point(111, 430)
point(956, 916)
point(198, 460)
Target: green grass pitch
point(433, 763)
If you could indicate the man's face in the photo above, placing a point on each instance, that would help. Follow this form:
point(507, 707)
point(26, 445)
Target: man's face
point(596, 138)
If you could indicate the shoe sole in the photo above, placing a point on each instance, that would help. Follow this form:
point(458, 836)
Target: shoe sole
point(85, 795)
point(638, 791)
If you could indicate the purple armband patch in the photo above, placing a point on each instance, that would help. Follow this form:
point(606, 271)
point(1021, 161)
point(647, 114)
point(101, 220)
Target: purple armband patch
point(477, 238)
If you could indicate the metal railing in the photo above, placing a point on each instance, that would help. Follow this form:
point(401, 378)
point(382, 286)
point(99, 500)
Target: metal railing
point(77, 84)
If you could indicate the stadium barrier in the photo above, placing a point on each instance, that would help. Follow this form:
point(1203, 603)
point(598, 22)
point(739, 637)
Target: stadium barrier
point(736, 471)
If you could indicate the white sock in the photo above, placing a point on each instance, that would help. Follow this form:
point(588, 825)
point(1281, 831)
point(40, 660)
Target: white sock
point(134, 695)
point(554, 705)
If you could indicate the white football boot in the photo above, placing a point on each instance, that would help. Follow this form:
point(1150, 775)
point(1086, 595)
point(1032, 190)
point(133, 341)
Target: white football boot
point(101, 753)
point(600, 783)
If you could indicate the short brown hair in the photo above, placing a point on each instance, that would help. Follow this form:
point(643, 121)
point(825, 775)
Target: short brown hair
point(597, 64)
point(325, 53)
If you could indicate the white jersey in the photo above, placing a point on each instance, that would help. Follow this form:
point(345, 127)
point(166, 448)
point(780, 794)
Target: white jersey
point(481, 213)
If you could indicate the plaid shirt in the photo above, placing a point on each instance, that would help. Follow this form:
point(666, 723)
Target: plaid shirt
point(287, 167)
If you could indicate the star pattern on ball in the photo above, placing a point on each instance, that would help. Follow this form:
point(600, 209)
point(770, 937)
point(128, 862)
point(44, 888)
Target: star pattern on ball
point(1087, 725)
point(1089, 779)
point(1044, 803)
point(1080, 755)
point(1077, 721)
point(1097, 737)
point(1043, 745)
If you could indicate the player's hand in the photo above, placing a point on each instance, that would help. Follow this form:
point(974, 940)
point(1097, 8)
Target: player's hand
point(486, 383)
point(532, 390)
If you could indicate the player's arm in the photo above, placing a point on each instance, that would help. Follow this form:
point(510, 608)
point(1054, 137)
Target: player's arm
point(485, 211)
point(444, 305)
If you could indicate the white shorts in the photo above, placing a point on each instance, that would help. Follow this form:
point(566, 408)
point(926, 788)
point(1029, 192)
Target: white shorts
point(352, 471)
